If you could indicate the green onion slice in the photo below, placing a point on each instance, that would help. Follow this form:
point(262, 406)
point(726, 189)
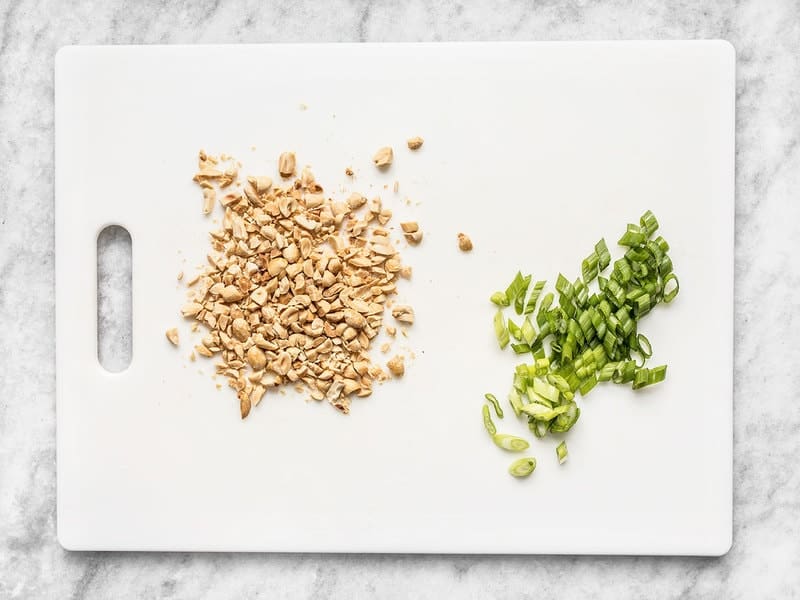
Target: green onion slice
point(669, 295)
point(603, 255)
point(546, 390)
point(512, 443)
point(493, 400)
point(644, 346)
point(500, 331)
point(561, 452)
point(539, 428)
point(516, 291)
point(530, 306)
point(522, 467)
point(514, 330)
point(500, 299)
point(515, 401)
point(649, 223)
point(644, 376)
point(528, 331)
point(540, 412)
point(567, 419)
point(487, 421)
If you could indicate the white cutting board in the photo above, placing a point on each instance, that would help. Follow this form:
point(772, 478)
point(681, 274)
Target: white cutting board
point(536, 151)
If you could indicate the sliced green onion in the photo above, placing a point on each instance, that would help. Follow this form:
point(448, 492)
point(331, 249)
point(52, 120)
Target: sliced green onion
point(566, 305)
point(589, 267)
point(487, 421)
point(567, 419)
point(669, 296)
point(528, 331)
point(615, 293)
point(587, 384)
point(607, 371)
point(540, 412)
point(645, 377)
point(585, 323)
point(558, 381)
point(538, 428)
point(541, 316)
point(546, 390)
point(564, 287)
point(581, 292)
point(515, 401)
point(649, 223)
point(500, 299)
point(514, 330)
point(625, 372)
point(662, 244)
point(493, 400)
point(657, 374)
point(519, 301)
point(603, 255)
point(622, 270)
point(636, 255)
point(512, 443)
point(522, 467)
point(500, 330)
point(644, 346)
point(665, 266)
point(541, 365)
point(561, 452)
point(534, 397)
point(530, 306)
point(516, 291)
point(586, 336)
point(632, 237)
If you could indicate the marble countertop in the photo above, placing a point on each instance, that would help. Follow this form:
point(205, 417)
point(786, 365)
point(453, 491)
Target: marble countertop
point(765, 558)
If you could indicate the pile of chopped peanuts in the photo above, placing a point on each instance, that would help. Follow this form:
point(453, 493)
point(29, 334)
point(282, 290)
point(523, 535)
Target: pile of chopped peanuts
point(297, 284)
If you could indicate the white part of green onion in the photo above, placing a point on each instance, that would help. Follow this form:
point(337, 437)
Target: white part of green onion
point(512, 443)
point(561, 452)
point(522, 467)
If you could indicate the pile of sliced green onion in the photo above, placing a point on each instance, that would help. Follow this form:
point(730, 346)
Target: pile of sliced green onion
point(578, 337)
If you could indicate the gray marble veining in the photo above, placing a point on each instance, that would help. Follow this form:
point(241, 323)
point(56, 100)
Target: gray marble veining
point(765, 559)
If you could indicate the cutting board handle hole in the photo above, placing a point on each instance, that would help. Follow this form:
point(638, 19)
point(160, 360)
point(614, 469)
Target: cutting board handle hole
point(114, 294)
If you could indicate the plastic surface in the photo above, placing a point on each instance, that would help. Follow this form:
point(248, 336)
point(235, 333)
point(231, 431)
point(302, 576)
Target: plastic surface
point(535, 151)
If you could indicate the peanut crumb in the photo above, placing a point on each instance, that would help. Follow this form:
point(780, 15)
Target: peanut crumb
point(286, 164)
point(415, 143)
point(180, 275)
point(411, 232)
point(348, 171)
point(383, 157)
point(172, 336)
point(396, 366)
point(464, 243)
point(403, 314)
point(385, 347)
